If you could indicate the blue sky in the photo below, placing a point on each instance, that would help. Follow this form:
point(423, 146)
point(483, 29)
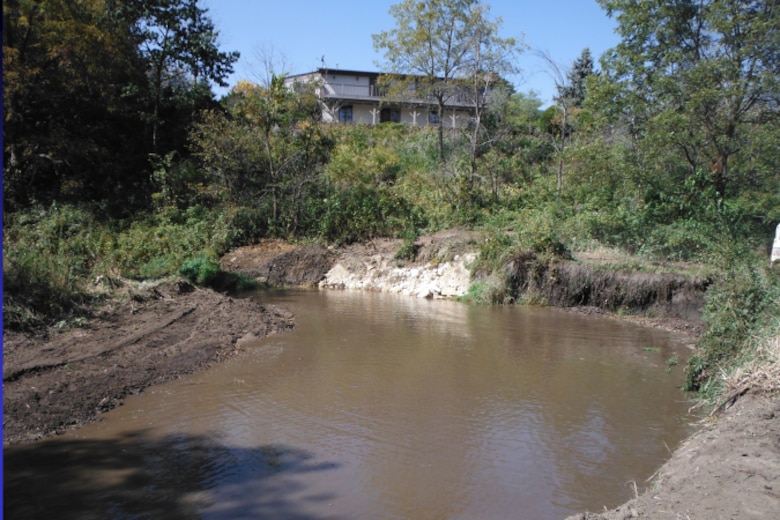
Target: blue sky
point(340, 30)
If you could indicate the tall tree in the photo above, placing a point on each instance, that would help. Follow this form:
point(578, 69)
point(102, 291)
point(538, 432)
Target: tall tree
point(556, 120)
point(265, 147)
point(696, 78)
point(178, 42)
point(79, 77)
point(437, 48)
point(490, 58)
point(575, 88)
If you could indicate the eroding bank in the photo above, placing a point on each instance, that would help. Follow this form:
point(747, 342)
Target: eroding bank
point(442, 267)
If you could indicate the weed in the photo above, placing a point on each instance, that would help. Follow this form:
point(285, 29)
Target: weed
point(672, 362)
point(409, 248)
point(207, 272)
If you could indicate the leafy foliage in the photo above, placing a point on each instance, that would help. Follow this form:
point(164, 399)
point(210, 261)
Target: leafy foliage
point(694, 80)
point(362, 213)
point(742, 302)
point(87, 86)
point(440, 49)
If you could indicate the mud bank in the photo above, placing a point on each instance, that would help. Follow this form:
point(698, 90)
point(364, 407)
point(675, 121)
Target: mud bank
point(153, 335)
point(442, 268)
point(667, 299)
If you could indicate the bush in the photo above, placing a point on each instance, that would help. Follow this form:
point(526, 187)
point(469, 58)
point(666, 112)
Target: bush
point(686, 240)
point(206, 272)
point(200, 270)
point(743, 301)
point(47, 255)
point(362, 213)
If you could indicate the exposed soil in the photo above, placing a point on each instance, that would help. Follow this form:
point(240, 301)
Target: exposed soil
point(279, 263)
point(728, 470)
point(152, 336)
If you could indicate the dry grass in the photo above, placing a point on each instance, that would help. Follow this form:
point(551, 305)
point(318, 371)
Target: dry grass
point(760, 375)
point(597, 255)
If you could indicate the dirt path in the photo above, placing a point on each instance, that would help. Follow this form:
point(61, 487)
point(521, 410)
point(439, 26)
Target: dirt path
point(156, 335)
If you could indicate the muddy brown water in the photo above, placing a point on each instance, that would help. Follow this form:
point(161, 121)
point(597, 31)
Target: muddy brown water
point(380, 406)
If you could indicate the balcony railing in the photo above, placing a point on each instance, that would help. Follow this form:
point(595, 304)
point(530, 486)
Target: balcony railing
point(373, 92)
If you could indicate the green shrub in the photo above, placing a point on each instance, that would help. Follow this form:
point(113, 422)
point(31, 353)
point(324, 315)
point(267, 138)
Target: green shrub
point(47, 256)
point(206, 272)
point(687, 240)
point(409, 247)
point(200, 270)
point(361, 213)
point(539, 234)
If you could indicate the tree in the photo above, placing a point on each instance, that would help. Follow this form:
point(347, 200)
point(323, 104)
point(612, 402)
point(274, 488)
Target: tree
point(178, 43)
point(438, 49)
point(490, 58)
point(555, 121)
point(69, 131)
point(695, 79)
point(269, 62)
point(265, 146)
point(575, 88)
point(83, 81)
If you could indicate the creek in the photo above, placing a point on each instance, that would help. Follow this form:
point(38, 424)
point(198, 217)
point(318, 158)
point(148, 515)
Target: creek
point(381, 406)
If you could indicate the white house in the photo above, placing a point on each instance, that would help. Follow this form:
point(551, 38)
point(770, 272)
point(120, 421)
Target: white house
point(352, 96)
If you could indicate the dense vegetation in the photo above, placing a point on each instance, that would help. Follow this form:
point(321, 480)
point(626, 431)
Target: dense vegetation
point(120, 163)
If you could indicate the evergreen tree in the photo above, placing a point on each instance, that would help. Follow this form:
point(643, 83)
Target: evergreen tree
point(575, 88)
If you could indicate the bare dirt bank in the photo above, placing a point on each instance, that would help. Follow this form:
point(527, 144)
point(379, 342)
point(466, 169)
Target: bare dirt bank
point(154, 335)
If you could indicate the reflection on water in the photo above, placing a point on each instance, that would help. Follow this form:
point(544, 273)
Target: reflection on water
point(381, 406)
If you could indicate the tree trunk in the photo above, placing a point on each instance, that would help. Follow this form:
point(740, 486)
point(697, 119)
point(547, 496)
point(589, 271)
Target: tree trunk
point(440, 115)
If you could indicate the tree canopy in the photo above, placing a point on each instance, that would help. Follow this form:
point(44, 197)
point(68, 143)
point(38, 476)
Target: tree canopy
point(439, 45)
point(87, 85)
point(698, 78)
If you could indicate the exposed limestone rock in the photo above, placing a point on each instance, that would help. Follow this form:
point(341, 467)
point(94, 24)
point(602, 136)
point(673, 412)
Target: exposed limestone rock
point(381, 273)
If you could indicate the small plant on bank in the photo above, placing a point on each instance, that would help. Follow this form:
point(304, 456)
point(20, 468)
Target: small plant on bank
point(206, 272)
point(200, 270)
point(672, 362)
point(409, 247)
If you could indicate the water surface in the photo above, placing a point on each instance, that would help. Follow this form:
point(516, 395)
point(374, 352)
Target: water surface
point(381, 406)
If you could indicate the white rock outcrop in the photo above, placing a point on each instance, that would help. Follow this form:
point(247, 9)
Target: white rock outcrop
point(379, 273)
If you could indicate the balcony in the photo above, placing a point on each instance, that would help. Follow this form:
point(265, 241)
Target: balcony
point(374, 93)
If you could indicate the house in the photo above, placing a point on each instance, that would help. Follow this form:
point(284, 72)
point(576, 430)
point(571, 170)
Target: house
point(352, 96)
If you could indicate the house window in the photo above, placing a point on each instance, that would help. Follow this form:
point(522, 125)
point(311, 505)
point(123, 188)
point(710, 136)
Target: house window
point(345, 114)
point(388, 115)
point(433, 118)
